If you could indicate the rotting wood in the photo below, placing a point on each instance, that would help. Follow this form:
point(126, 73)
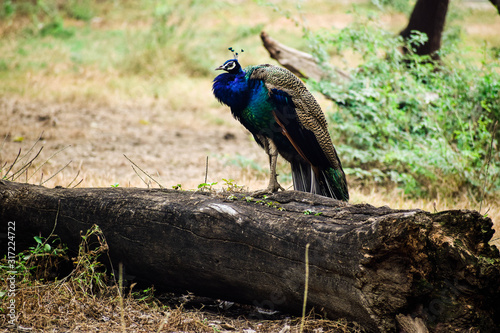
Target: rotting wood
point(383, 268)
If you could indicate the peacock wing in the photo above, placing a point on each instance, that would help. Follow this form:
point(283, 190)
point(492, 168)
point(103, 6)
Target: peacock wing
point(299, 114)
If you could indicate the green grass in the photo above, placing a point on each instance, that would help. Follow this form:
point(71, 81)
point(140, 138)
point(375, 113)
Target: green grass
point(142, 44)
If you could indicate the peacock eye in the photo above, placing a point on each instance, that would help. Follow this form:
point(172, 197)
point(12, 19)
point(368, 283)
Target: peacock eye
point(230, 66)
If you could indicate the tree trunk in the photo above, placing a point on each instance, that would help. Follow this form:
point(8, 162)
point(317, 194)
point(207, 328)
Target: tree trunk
point(428, 16)
point(406, 270)
point(496, 3)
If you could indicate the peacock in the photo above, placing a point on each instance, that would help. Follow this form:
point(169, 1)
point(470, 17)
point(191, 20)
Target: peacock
point(284, 118)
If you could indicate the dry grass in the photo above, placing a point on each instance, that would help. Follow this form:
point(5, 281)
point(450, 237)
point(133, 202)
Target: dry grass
point(89, 300)
point(59, 308)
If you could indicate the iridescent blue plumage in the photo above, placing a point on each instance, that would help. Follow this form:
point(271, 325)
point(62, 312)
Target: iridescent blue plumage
point(248, 99)
point(274, 105)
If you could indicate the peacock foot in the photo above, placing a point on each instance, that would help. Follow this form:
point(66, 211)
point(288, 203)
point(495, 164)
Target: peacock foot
point(271, 188)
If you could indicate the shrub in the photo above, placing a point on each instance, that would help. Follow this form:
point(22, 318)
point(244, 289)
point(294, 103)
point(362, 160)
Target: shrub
point(403, 119)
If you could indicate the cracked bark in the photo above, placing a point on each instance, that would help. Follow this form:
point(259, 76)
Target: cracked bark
point(405, 270)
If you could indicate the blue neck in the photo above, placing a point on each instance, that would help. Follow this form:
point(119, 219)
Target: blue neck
point(232, 90)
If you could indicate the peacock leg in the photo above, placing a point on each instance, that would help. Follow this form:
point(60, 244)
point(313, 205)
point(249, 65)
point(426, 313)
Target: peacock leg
point(273, 186)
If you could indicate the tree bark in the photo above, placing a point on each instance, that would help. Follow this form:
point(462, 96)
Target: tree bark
point(388, 270)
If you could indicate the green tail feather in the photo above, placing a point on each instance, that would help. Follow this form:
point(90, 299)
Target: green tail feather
point(330, 183)
point(335, 184)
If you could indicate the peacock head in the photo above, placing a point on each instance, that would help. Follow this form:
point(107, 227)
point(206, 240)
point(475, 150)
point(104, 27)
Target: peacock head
point(232, 65)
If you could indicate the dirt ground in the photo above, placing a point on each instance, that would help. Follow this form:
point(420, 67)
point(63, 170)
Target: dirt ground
point(170, 146)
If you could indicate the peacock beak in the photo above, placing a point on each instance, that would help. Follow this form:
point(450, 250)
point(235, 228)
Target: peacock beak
point(221, 67)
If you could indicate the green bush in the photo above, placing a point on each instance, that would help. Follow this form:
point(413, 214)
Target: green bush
point(403, 119)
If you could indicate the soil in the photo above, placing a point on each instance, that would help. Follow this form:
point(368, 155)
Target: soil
point(171, 146)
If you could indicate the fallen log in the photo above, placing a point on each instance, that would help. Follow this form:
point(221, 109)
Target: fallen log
point(388, 270)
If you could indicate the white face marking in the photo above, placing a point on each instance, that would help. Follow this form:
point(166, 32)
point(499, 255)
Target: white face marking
point(230, 66)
